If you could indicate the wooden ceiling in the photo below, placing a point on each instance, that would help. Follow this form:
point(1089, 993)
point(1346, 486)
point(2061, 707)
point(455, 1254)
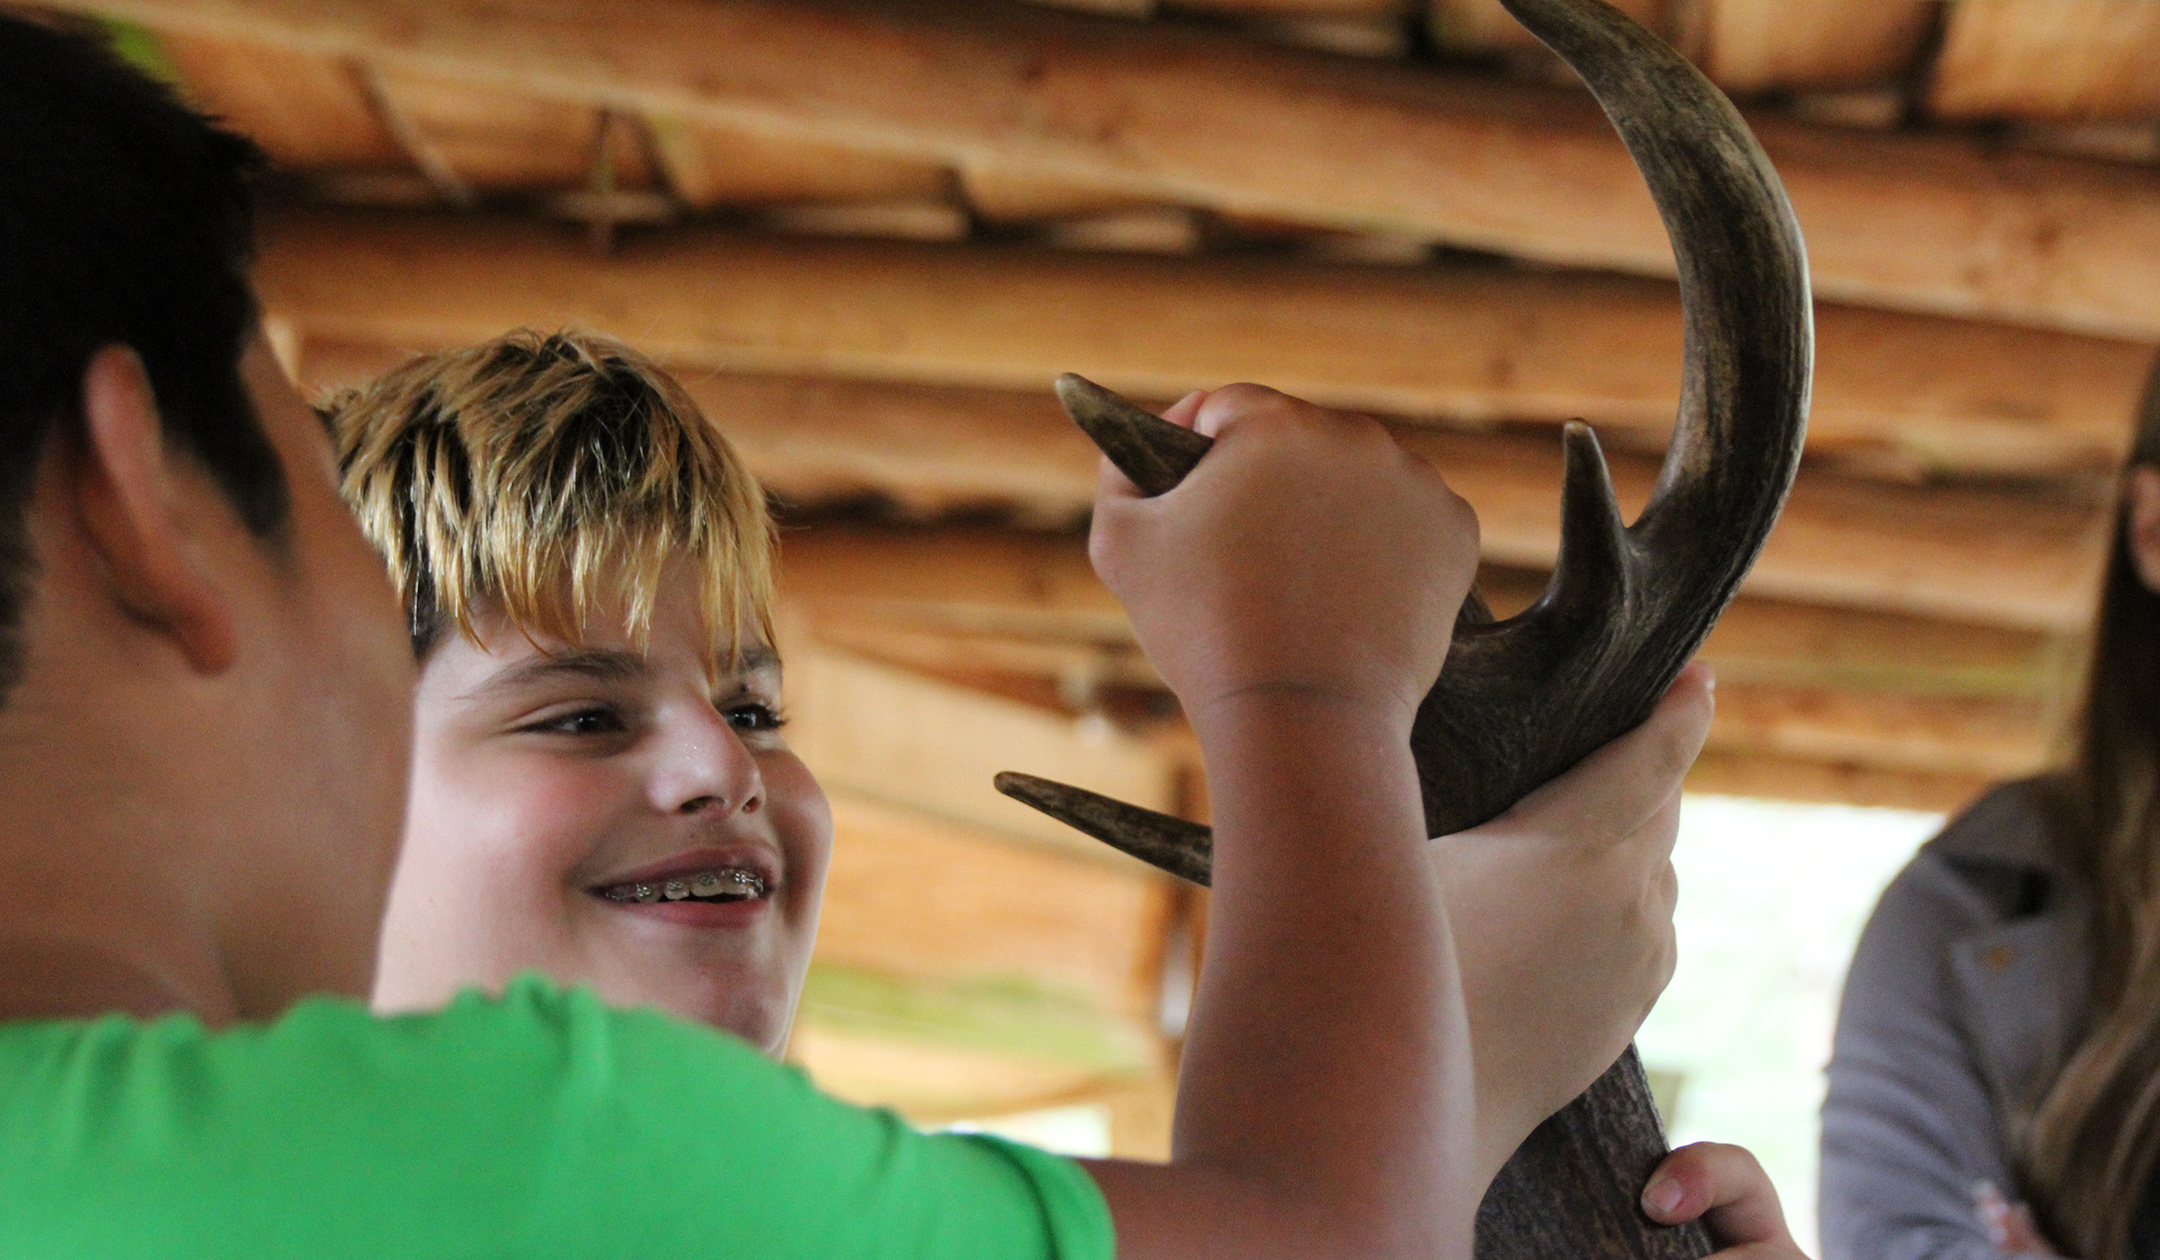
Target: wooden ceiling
point(869, 234)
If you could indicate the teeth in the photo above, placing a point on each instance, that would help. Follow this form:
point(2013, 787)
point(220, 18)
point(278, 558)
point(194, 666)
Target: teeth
point(732, 882)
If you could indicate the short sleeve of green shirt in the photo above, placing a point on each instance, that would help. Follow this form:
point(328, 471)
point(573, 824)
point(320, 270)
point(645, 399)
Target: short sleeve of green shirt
point(537, 1124)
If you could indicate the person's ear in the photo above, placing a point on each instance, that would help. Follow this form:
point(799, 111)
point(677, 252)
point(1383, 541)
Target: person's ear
point(131, 507)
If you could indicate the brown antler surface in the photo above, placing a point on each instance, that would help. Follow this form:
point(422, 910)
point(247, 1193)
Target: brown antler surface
point(1522, 700)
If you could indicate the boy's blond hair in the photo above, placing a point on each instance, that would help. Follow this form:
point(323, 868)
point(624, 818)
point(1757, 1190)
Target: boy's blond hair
point(549, 477)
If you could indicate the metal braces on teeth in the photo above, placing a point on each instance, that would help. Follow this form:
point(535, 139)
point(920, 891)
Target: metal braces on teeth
point(703, 884)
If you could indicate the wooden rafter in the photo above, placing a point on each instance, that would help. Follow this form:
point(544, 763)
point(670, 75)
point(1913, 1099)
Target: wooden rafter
point(1463, 344)
point(2049, 60)
point(1937, 223)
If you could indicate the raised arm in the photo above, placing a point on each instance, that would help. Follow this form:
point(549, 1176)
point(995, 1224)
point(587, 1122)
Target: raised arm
point(1298, 591)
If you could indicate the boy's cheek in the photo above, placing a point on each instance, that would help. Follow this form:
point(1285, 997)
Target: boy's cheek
point(518, 810)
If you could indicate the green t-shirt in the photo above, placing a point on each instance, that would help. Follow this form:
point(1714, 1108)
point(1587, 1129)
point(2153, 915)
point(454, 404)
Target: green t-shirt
point(537, 1124)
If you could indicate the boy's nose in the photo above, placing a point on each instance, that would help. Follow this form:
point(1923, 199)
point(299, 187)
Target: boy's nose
point(708, 770)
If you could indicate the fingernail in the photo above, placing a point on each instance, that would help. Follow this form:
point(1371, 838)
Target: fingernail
point(1663, 1197)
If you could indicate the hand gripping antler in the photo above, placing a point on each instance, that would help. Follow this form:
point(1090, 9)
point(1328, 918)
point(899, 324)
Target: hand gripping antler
point(1522, 700)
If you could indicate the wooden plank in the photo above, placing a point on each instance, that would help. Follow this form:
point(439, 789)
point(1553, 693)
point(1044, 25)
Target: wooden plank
point(307, 112)
point(1971, 555)
point(1987, 556)
point(933, 1082)
point(919, 896)
point(2049, 60)
point(1009, 592)
point(1942, 733)
point(500, 141)
point(1484, 26)
point(710, 165)
point(892, 737)
point(1826, 783)
point(1466, 344)
point(1959, 736)
point(1943, 223)
point(1771, 45)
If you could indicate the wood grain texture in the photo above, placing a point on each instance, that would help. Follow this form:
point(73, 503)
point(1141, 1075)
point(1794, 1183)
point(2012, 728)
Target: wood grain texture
point(1767, 45)
point(709, 165)
point(1918, 555)
point(985, 587)
point(914, 894)
point(2048, 60)
point(1934, 222)
point(308, 112)
point(1912, 393)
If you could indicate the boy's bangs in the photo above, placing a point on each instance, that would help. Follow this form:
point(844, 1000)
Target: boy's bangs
point(556, 479)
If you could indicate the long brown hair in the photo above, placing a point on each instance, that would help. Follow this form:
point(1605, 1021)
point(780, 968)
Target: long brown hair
point(2093, 1142)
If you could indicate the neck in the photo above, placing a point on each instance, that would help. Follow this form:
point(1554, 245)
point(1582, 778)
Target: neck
point(106, 904)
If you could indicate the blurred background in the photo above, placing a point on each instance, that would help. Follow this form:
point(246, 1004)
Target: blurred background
point(867, 237)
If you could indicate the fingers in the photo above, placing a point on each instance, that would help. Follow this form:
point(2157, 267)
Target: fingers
point(1726, 1189)
point(1185, 410)
point(1620, 788)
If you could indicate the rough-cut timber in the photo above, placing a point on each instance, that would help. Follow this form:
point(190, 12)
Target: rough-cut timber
point(1767, 45)
point(1940, 223)
point(1916, 392)
point(1983, 555)
point(2054, 60)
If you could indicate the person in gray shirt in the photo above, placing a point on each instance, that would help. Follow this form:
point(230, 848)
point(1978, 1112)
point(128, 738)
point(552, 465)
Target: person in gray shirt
point(1995, 1081)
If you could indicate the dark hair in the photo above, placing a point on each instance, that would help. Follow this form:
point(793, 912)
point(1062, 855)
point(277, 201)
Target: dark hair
point(2093, 1141)
point(124, 218)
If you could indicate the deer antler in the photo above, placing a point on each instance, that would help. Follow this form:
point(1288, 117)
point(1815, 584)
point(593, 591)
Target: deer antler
point(1522, 700)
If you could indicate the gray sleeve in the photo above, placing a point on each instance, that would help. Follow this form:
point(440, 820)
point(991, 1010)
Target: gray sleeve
point(1907, 1125)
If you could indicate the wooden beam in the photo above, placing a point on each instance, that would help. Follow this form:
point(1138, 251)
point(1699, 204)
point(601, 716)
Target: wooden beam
point(892, 737)
point(709, 165)
point(1992, 739)
point(1981, 556)
point(2048, 60)
point(307, 112)
point(1999, 737)
point(1768, 45)
point(919, 896)
point(496, 142)
point(987, 587)
point(1823, 783)
point(1485, 26)
point(1474, 345)
point(1939, 223)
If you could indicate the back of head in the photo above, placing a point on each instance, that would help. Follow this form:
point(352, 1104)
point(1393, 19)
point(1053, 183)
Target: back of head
point(2093, 1145)
point(551, 479)
point(124, 218)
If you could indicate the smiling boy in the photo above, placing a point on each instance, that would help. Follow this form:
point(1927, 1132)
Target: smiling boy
point(601, 791)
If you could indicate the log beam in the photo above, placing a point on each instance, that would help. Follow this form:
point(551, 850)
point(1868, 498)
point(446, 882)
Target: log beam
point(1991, 557)
point(1467, 345)
point(1938, 223)
point(1016, 589)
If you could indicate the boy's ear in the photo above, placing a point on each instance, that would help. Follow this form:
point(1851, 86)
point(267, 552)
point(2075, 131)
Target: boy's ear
point(131, 508)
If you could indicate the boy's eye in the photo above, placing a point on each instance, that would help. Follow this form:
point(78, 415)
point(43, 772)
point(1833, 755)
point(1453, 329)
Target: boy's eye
point(595, 721)
point(754, 717)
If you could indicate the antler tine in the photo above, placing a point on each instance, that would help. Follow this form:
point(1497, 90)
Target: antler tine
point(1154, 453)
point(1184, 849)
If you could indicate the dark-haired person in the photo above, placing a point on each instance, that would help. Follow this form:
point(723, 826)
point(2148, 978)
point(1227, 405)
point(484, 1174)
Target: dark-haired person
point(1995, 1084)
point(203, 748)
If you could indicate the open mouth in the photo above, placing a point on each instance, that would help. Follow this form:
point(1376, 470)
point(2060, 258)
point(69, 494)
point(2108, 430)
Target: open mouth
point(714, 887)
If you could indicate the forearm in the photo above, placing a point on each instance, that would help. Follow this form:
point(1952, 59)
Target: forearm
point(1329, 1052)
